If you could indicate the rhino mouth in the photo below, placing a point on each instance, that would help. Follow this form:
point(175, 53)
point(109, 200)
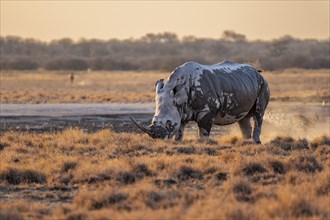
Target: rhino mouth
point(154, 131)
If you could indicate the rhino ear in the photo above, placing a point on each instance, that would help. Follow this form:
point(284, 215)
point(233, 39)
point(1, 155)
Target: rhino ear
point(159, 85)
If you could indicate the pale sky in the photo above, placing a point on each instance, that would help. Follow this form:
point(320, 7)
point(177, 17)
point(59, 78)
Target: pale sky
point(48, 20)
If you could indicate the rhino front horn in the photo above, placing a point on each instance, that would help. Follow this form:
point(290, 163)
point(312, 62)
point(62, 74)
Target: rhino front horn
point(139, 126)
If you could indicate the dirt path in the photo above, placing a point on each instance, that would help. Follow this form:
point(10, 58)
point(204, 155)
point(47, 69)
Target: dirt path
point(282, 118)
point(63, 110)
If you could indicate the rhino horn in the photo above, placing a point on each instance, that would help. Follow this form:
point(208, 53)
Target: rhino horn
point(152, 131)
point(146, 130)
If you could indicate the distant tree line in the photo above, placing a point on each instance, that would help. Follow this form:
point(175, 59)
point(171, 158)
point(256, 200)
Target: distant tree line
point(163, 51)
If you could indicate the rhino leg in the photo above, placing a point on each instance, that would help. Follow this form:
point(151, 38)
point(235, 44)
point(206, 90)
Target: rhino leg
point(258, 114)
point(257, 128)
point(204, 123)
point(179, 134)
point(245, 126)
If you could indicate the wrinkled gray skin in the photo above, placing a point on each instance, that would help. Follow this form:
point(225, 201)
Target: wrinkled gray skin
point(219, 94)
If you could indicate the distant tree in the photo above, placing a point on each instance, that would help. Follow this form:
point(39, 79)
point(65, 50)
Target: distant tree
point(76, 64)
point(233, 36)
point(162, 51)
point(4, 64)
point(189, 38)
point(67, 64)
point(109, 63)
point(281, 45)
point(23, 64)
point(160, 38)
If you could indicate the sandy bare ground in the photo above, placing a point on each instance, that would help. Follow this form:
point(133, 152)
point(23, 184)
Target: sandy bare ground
point(282, 118)
point(38, 87)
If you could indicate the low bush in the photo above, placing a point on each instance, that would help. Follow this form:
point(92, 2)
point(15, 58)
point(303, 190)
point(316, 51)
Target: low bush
point(17, 176)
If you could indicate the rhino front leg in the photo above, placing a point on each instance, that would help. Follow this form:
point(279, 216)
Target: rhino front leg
point(179, 134)
point(204, 122)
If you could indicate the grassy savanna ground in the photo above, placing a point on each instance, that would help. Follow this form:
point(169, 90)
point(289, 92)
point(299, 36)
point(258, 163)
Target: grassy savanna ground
point(106, 175)
point(103, 87)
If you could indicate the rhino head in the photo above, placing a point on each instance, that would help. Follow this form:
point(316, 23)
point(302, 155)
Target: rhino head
point(171, 106)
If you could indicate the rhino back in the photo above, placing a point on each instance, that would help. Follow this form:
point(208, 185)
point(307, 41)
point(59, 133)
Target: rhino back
point(229, 91)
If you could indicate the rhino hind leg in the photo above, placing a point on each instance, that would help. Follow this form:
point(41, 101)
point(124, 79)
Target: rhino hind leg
point(245, 126)
point(257, 128)
point(258, 114)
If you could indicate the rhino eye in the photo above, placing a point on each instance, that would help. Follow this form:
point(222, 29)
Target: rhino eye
point(174, 91)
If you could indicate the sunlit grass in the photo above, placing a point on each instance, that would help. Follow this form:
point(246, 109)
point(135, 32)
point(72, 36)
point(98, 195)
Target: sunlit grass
point(73, 174)
point(104, 87)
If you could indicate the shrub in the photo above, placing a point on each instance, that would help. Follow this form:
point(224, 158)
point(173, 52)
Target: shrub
point(278, 167)
point(284, 143)
point(142, 170)
point(126, 177)
point(186, 150)
point(300, 144)
point(319, 141)
point(17, 176)
point(221, 176)
point(186, 173)
point(153, 199)
point(307, 164)
point(3, 146)
point(242, 190)
point(68, 165)
point(253, 168)
point(98, 200)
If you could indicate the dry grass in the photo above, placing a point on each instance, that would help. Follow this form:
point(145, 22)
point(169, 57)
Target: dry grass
point(102, 87)
point(105, 175)
point(88, 87)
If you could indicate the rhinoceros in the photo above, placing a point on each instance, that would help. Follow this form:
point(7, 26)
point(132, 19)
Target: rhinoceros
point(220, 94)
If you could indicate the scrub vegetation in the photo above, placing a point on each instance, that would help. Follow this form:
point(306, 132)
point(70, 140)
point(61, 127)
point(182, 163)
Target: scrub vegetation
point(161, 51)
point(107, 175)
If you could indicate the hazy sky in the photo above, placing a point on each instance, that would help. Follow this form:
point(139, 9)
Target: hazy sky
point(47, 20)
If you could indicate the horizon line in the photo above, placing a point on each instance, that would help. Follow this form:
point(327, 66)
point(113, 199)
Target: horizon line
point(180, 38)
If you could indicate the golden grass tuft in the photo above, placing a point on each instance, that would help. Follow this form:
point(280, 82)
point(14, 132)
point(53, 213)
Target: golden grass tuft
point(10, 213)
point(96, 200)
point(242, 190)
point(320, 141)
point(306, 163)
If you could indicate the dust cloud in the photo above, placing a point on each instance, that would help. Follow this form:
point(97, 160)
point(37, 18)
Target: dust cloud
point(296, 120)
